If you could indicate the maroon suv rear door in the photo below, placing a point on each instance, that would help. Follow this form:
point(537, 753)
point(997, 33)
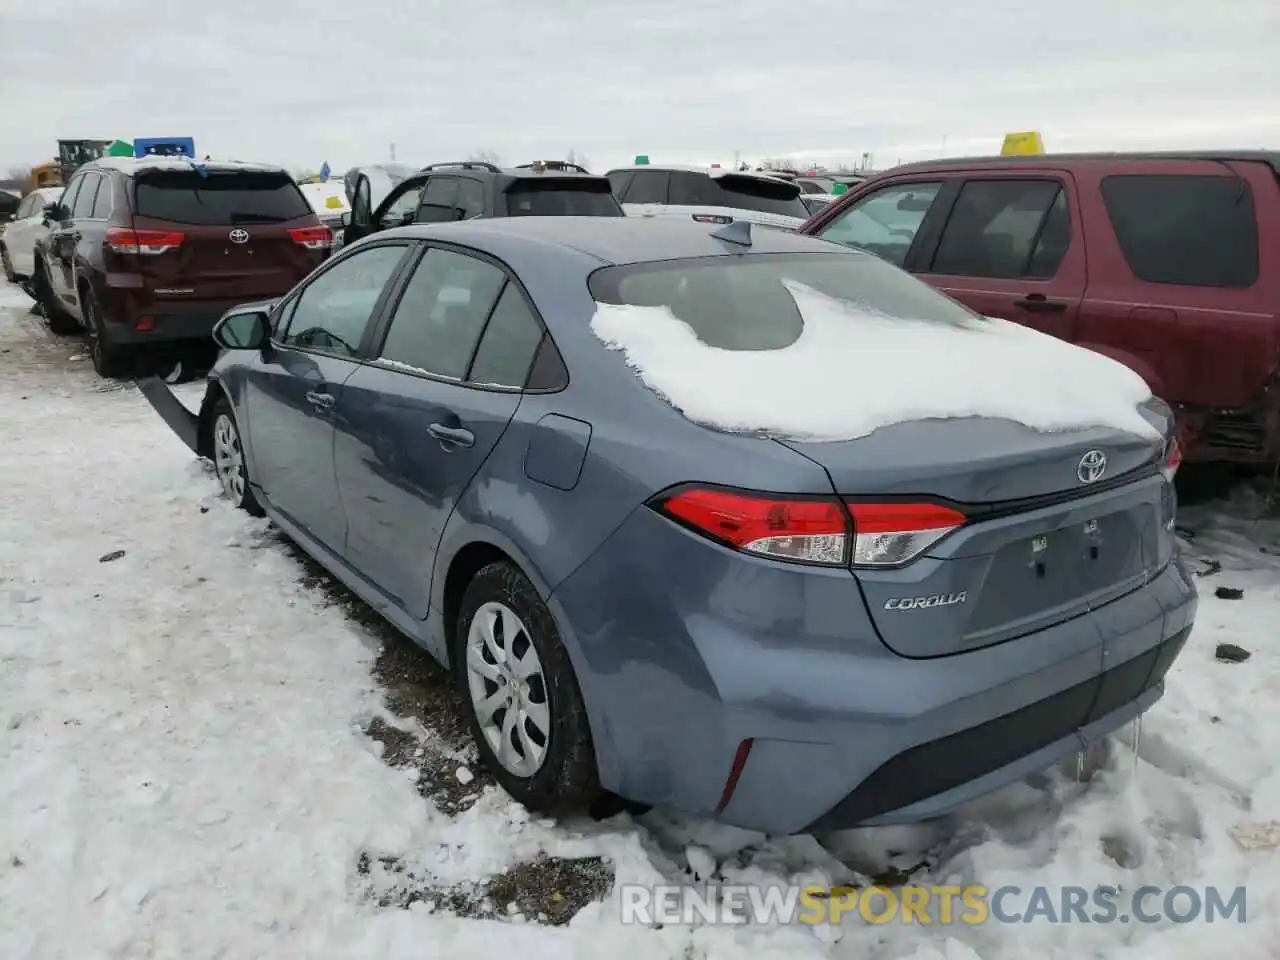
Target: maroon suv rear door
point(226, 234)
point(1012, 247)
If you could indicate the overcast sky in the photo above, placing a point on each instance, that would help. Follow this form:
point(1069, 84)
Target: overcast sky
point(691, 80)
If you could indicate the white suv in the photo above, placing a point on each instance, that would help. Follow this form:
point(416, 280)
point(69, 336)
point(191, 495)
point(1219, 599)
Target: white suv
point(19, 236)
point(708, 194)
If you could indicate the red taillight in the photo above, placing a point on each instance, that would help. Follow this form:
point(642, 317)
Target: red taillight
point(711, 218)
point(814, 529)
point(313, 238)
point(1172, 459)
point(808, 530)
point(891, 534)
point(145, 242)
point(145, 324)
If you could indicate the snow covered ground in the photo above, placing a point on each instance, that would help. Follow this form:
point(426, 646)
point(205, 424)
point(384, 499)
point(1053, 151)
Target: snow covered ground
point(205, 751)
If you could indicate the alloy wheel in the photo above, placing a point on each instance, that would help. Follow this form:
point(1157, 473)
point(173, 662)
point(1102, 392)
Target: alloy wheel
point(508, 689)
point(228, 458)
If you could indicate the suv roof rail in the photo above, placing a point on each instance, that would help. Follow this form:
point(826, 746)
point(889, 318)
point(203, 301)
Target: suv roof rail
point(553, 165)
point(465, 164)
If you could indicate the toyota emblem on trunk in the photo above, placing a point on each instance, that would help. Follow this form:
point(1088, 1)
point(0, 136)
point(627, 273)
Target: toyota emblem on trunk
point(1092, 466)
point(238, 236)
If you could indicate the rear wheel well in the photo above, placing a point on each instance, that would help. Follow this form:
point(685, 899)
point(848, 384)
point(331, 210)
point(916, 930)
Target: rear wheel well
point(466, 563)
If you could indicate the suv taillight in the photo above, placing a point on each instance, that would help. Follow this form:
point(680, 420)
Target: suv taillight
point(313, 238)
point(819, 530)
point(147, 242)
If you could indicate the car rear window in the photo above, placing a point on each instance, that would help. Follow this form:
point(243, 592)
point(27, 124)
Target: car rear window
point(184, 196)
point(562, 198)
point(740, 303)
point(739, 193)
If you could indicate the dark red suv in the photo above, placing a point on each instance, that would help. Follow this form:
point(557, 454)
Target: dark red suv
point(1169, 263)
point(156, 249)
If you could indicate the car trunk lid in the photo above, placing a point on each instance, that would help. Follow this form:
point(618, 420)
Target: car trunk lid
point(1054, 524)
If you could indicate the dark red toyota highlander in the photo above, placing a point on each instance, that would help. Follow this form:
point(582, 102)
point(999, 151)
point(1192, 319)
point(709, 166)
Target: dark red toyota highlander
point(152, 250)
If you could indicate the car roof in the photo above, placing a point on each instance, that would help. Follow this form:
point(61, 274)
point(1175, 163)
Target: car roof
point(615, 240)
point(484, 169)
point(1270, 157)
point(693, 168)
point(131, 165)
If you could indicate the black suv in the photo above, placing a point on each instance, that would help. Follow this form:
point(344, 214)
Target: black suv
point(445, 192)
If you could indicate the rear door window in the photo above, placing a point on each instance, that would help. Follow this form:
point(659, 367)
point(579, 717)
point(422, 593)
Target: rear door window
point(995, 227)
point(441, 314)
point(102, 202)
point(1195, 231)
point(218, 197)
point(470, 200)
point(509, 343)
point(736, 192)
point(885, 222)
point(85, 198)
point(647, 186)
point(562, 198)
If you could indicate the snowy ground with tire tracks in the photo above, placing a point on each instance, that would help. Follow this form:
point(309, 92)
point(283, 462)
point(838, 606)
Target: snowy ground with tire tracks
point(209, 750)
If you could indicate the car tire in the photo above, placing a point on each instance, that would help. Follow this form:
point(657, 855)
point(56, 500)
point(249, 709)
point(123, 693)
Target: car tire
point(7, 265)
point(501, 620)
point(229, 460)
point(60, 322)
point(110, 360)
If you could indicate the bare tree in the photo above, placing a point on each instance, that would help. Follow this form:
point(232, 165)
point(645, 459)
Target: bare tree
point(576, 158)
point(775, 163)
point(18, 171)
point(485, 156)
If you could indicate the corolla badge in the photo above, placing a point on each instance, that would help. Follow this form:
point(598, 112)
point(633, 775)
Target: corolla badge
point(238, 236)
point(924, 603)
point(1091, 466)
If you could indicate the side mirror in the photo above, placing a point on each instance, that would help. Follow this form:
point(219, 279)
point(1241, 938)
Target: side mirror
point(248, 330)
point(346, 218)
point(52, 211)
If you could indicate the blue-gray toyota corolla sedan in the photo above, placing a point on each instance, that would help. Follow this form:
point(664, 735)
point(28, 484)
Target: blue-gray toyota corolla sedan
point(790, 633)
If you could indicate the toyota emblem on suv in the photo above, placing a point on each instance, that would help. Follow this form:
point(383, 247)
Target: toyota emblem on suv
point(238, 236)
point(1092, 466)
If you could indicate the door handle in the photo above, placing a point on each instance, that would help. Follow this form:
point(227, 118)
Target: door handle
point(321, 401)
point(452, 436)
point(1039, 303)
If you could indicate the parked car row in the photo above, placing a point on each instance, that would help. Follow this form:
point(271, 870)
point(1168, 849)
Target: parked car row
point(1164, 262)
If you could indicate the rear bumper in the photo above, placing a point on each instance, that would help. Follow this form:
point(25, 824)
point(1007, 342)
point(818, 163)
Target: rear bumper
point(181, 421)
point(684, 650)
point(169, 323)
point(126, 304)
